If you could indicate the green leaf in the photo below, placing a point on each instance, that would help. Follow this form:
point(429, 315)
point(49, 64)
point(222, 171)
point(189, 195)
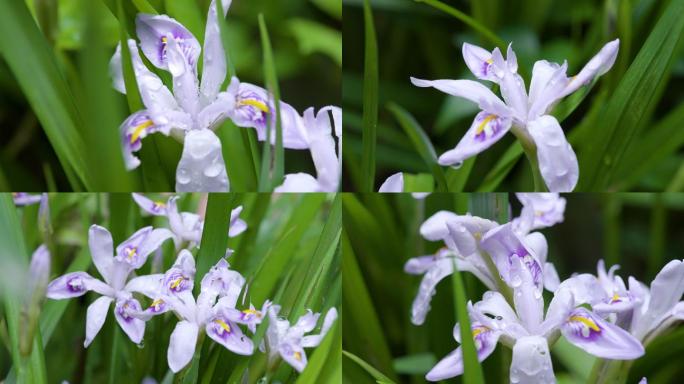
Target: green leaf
point(329, 352)
point(370, 101)
point(267, 181)
point(630, 103)
point(215, 234)
point(417, 364)
point(314, 37)
point(35, 67)
point(379, 377)
point(421, 142)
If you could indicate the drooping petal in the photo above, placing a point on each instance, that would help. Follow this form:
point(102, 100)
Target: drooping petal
point(485, 130)
point(531, 362)
point(76, 284)
point(155, 32)
point(597, 66)
point(421, 304)
point(101, 250)
point(214, 63)
point(201, 167)
point(393, 184)
point(557, 161)
point(155, 208)
point(471, 90)
point(421, 264)
point(133, 327)
point(600, 338)
point(95, 318)
point(452, 365)
point(479, 61)
point(298, 183)
point(294, 355)
point(229, 334)
point(549, 80)
point(182, 345)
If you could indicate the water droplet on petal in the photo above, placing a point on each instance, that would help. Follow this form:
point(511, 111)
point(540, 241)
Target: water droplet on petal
point(183, 176)
point(457, 165)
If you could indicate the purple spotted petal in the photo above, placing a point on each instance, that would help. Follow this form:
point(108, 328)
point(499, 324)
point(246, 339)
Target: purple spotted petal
point(76, 284)
point(132, 326)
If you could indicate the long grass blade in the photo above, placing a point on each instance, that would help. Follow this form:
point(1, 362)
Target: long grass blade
point(370, 101)
point(215, 235)
point(377, 375)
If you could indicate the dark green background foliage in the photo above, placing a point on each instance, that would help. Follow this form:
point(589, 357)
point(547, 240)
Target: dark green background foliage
point(641, 232)
point(60, 114)
point(290, 254)
point(626, 132)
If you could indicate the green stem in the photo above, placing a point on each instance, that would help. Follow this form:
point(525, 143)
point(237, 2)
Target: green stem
point(531, 152)
point(609, 372)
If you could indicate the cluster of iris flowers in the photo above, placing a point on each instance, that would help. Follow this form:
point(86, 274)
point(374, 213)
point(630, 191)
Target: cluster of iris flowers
point(195, 108)
point(597, 313)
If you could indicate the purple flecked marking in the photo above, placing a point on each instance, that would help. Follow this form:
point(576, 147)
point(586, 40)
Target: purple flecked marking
point(76, 288)
point(577, 326)
point(219, 331)
point(494, 124)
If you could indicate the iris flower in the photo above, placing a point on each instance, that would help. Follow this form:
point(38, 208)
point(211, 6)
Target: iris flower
point(186, 226)
point(540, 210)
point(23, 198)
point(321, 144)
point(115, 269)
point(525, 115)
point(173, 291)
point(288, 341)
point(524, 328)
point(477, 245)
point(195, 108)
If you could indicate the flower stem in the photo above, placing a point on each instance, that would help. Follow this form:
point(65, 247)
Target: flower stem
point(531, 152)
point(609, 371)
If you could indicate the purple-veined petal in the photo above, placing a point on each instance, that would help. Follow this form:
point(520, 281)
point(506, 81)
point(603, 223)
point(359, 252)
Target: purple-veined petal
point(537, 244)
point(393, 184)
point(133, 327)
point(155, 208)
point(224, 282)
point(185, 87)
point(133, 130)
point(148, 285)
point(452, 365)
point(154, 94)
point(214, 63)
point(471, 90)
point(250, 317)
point(201, 167)
point(295, 135)
point(95, 318)
point(527, 297)
point(531, 362)
point(485, 130)
point(549, 83)
point(557, 161)
point(182, 345)
point(600, 338)
point(504, 246)
point(229, 334)
point(597, 66)
point(76, 284)
point(101, 250)
point(479, 61)
point(294, 355)
point(135, 249)
point(156, 33)
point(180, 277)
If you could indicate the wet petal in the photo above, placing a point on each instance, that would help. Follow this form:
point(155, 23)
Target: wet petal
point(214, 60)
point(155, 208)
point(557, 161)
point(154, 94)
point(202, 168)
point(101, 250)
point(185, 88)
point(155, 31)
point(597, 66)
point(76, 284)
point(421, 264)
point(531, 362)
point(95, 318)
point(471, 90)
point(133, 327)
point(485, 130)
point(421, 303)
point(549, 87)
point(229, 334)
point(299, 182)
point(393, 184)
point(600, 338)
point(182, 345)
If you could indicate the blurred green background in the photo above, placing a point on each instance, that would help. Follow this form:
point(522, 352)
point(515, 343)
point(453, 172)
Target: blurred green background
point(288, 254)
point(639, 231)
point(307, 44)
point(415, 39)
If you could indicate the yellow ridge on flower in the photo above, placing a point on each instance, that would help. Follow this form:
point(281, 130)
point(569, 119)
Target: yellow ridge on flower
point(481, 127)
point(139, 129)
point(587, 322)
point(256, 104)
point(223, 325)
